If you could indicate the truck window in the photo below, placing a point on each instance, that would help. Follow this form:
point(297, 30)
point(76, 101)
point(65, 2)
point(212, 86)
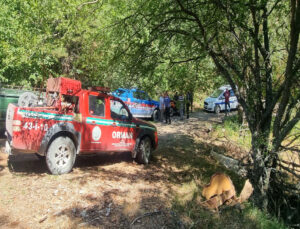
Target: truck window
point(144, 95)
point(96, 105)
point(120, 92)
point(136, 95)
point(118, 110)
point(231, 93)
point(69, 102)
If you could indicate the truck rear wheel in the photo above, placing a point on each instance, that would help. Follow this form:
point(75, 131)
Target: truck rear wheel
point(144, 151)
point(61, 155)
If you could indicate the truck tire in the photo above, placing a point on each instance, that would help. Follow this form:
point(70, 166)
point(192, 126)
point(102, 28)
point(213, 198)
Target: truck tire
point(217, 109)
point(28, 99)
point(144, 151)
point(156, 115)
point(61, 155)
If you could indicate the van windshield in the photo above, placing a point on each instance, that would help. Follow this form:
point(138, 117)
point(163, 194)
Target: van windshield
point(216, 93)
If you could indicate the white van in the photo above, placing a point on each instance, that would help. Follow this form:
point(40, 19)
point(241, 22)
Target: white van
point(216, 101)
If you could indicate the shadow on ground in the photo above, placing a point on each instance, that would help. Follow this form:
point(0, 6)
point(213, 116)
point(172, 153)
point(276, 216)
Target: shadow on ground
point(32, 164)
point(107, 213)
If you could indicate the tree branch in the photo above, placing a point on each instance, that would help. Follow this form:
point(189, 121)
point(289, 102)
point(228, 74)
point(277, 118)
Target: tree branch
point(289, 76)
point(289, 170)
point(187, 60)
point(86, 3)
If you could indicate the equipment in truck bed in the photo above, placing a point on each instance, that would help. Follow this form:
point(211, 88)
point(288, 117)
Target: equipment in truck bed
point(60, 92)
point(63, 86)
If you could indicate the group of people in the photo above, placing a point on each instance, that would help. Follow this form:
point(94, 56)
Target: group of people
point(165, 105)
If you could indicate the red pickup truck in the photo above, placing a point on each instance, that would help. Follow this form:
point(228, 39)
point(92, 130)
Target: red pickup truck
point(74, 121)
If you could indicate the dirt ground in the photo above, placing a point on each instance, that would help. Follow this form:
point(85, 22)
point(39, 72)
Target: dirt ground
point(110, 191)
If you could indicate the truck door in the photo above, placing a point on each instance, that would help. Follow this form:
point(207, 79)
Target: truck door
point(122, 132)
point(95, 125)
point(148, 105)
point(135, 104)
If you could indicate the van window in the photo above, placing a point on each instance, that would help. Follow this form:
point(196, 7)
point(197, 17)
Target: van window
point(216, 93)
point(231, 93)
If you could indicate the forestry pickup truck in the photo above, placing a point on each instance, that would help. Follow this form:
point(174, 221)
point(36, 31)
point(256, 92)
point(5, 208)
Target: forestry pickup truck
point(75, 121)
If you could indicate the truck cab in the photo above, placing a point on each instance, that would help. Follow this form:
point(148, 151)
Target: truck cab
point(76, 122)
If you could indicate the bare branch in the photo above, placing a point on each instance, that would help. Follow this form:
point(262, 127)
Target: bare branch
point(273, 7)
point(86, 3)
point(187, 60)
point(290, 163)
point(290, 171)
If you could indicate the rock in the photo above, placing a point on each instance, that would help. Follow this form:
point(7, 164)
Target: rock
point(230, 163)
point(43, 219)
point(74, 210)
point(83, 214)
point(83, 225)
point(108, 209)
point(246, 192)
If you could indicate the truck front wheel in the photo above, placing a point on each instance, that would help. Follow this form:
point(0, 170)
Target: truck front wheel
point(144, 151)
point(61, 155)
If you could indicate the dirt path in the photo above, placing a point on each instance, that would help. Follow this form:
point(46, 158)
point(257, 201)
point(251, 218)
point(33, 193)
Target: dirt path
point(110, 191)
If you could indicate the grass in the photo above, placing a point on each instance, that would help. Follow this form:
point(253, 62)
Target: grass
point(249, 217)
point(232, 129)
point(192, 167)
point(187, 203)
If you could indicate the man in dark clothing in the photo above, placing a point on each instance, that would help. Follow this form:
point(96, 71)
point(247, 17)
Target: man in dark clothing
point(188, 100)
point(167, 103)
point(176, 96)
point(226, 96)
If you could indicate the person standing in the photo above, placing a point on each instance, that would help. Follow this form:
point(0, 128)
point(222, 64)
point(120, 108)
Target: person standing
point(176, 96)
point(226, 96)
point(167, 104)
point(188, 104)
point(161, 107)
point(181, 105)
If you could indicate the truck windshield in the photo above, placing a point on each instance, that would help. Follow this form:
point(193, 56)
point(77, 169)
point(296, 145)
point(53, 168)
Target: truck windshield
point(216, 93)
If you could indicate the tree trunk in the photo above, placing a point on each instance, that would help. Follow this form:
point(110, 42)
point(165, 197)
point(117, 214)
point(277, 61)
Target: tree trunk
point(259, 173)
point(240, 112)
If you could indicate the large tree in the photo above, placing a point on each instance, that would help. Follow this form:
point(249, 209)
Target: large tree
point(254, 45)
